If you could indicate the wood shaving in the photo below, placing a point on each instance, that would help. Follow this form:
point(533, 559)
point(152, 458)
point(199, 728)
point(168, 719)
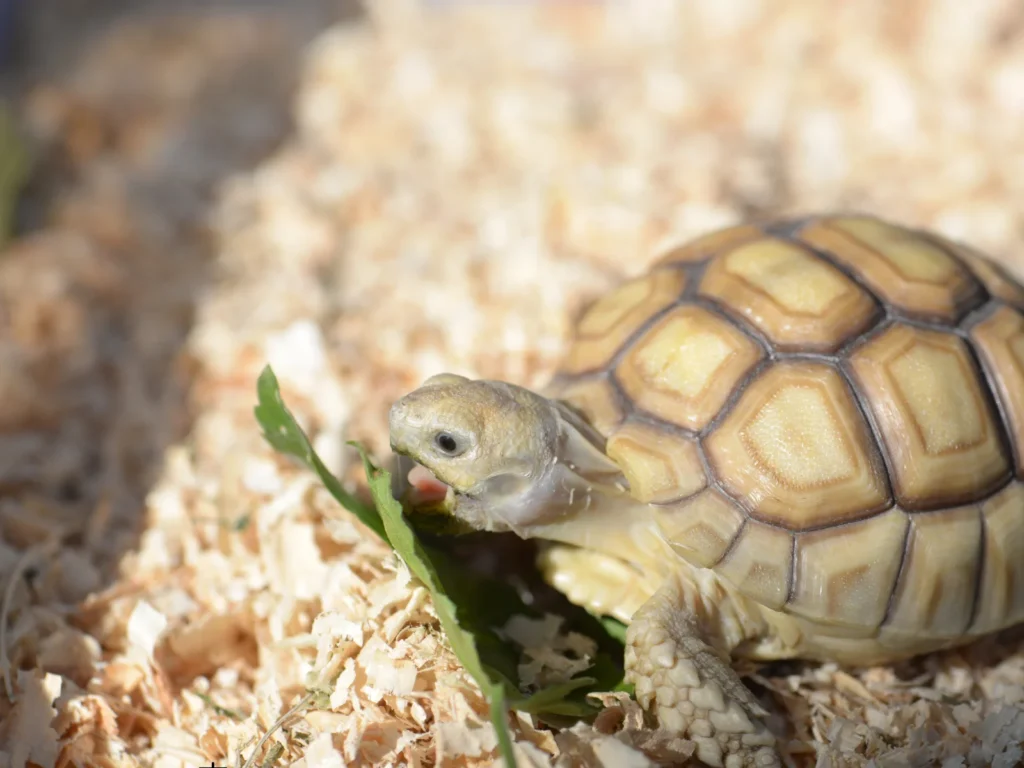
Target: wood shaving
point(445, 188)
point(551, 655)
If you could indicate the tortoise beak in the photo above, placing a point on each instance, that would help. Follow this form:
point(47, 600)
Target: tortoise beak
point(401, 466)
point(401, 427)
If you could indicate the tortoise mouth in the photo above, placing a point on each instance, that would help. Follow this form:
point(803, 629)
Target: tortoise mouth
point(414, 483)
point(425, 487)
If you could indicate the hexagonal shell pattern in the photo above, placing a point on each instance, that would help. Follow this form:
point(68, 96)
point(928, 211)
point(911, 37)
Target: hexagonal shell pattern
point(796, 450)
point(660, 464)
point(702, 248)
point(935, 592)
point(1001, 597)
point(1000, 343)
point(797, 300)
point(684, 367)
point(845, 575)
point(899, 265)
point(701, 529)
point(606, 325)
point(936, 421)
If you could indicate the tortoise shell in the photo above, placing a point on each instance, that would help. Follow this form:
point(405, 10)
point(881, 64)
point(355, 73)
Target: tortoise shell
point(827, 412)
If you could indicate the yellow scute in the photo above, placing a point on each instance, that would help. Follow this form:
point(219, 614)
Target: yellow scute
point(684, 367)
point(1001, 598)
point(846, 575)
point(930, 407)
point(789, 275)
point(940, 395)
point(913, 257)
point(683, 356)
point(596, 400)
point(796, 450)
point(797, 435)
point(659, 464)
point(1017, 348)
point(610, 309)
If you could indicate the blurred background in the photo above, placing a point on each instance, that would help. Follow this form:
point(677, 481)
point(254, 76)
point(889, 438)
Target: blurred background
point(364, 194)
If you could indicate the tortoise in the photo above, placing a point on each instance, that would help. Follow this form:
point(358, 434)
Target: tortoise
point(799, 438)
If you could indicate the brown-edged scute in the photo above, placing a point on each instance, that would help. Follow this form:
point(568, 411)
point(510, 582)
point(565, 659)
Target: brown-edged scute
point(830, 412)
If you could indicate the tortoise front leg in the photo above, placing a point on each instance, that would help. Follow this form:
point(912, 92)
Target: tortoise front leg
point(688, 685)
point(678, 643)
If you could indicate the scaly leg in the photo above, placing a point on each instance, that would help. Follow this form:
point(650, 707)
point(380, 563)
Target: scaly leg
point(688, 684)
point(678, 645)
point(604, 585)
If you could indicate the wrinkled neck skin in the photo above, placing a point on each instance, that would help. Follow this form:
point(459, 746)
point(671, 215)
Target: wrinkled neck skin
point(580, 497)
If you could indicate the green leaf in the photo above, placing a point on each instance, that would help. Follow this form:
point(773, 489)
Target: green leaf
point(553, 695)
point(285, 435)
point(408, 547)
point(615, 628)
point(468, 606)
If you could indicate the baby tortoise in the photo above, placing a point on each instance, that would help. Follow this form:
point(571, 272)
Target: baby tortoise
point(797, 439)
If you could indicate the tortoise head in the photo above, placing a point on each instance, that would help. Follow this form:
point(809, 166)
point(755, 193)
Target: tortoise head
point(511, 458)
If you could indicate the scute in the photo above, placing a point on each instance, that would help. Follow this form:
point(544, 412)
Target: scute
point(760, 563)
point(1001, 597)
point(935, 418)
point(684, 367)
point(611, 320)
point(992, 275)
point(797, 300)
point(1000, 343)
point(845, 575)
point(660, 464)
point(935, 592)
point(701, 529)
point(595, 398)
point(796, 450)
point(901, 266)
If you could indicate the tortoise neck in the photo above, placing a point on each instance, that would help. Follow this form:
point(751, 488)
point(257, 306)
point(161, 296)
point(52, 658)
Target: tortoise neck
point(604, 519)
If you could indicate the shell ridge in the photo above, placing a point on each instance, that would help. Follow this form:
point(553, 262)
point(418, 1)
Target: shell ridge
point(850, 274)
point(786, 229)
point(1000, 416)
point(794, 571)
point(876, 433)
point(830, 526)
point(734, 397)
point(723, 312)
point(981, 314)
point(886, 322)
point(1005, 423)
point(694, 275)
point(643, 415)
point(929, 325)
point(979, 291)
point(979, 575)
point(733, 543)
point(904, 558)
point(621, 398)
point(627, 343)
point(944, 245)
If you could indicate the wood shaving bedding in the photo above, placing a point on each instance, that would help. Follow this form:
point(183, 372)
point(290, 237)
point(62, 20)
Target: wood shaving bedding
point(458, 183)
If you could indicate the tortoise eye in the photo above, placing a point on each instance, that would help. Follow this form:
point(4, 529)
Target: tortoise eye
point(446, 443)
